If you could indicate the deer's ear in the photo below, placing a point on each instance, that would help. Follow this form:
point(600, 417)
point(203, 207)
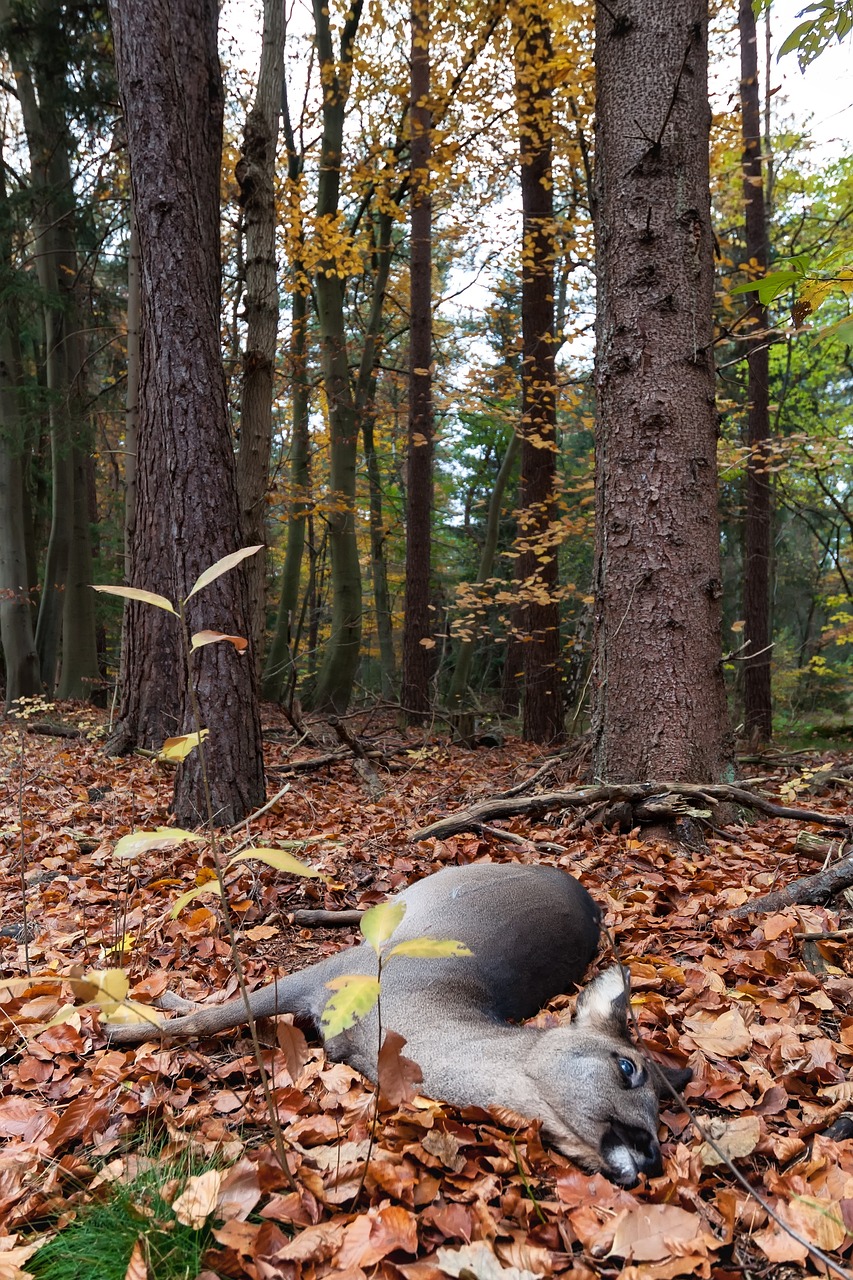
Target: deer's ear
point(603, 1005)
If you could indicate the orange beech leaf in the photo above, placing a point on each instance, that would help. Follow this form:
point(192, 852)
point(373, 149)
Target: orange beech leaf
point(398, 1075)
point(137, 1268)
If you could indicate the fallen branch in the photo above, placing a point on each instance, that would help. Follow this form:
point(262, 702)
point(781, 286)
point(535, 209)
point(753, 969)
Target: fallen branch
point(634, 793)
point(809, 891)
point(317, 918)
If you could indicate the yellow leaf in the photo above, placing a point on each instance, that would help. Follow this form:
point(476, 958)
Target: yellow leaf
point(430, 948)
point(210, 886)
point(280, 860)
point(130, 846)
point(355, 995)
point(177, 749)
point(202, 638)
point(135, 593)
point(222, 566)
point(379, 922)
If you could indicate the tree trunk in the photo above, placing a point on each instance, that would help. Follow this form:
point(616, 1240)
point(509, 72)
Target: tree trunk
point(342, 650)
point(366, 412)
point(279, 672)
point(79, 670)
point(256, 176)
point(418, 626)
point(55, 252)
point(187, 510)
point(542, 704)
point(23, 679)
point(660, 708)
point(464, 657)
point(758, 708)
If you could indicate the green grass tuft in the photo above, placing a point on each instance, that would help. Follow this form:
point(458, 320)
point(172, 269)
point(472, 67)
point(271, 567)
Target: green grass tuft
point(97, 1245)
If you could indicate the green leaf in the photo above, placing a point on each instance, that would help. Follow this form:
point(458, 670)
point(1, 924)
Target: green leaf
point(130, 846)
point(379, 923)
point(430, 948)
point(792, 41)
point(841, 329)
point(136, 593)
point(281, 860)
point(209, 886)
point(355, 995)
point(222, 566)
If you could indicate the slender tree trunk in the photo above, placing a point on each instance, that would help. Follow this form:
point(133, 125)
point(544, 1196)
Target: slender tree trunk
point(758, 708)
point(256, 175)
point(187, 509)
point(538, 568)
point(79, 671)
point(23, 678)
point(366, 411)
point(464, 657)
point(418, 626)
point(40, 90)
point(341, 653)
point(660, 709)
point(279, 673)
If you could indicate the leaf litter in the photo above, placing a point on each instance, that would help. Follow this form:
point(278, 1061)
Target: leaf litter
point(768, 1035)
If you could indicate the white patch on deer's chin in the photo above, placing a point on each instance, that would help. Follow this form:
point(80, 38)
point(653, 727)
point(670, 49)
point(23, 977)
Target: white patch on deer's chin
point(621, 1166)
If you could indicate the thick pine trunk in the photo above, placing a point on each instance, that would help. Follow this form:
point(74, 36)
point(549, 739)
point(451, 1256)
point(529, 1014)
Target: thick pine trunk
point(187, 511)
point(542, 702)
point(256, 176)
point(758, 708)
point(418, 626)
point(660, 708)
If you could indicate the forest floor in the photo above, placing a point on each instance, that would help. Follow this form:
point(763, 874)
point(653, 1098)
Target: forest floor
point(763, 1016)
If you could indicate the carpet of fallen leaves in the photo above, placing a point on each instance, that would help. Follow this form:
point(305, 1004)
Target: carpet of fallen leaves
point(768, 1035)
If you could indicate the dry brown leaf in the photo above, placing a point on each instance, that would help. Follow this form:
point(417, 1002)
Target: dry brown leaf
point(137, 1267)
point(398, 1075)
point(198, 1200)
point(294, 1047)
point(239, 1192)
point(652, 1232)
point(726, 1036)
point(734, 1138)
point(477, 1260)
point(375, 1234)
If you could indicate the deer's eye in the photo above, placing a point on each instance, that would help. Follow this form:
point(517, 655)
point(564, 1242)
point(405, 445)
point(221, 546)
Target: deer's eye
point(632, 1074)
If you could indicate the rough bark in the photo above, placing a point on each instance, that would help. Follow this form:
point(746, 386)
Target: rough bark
point(418, 626)
point(187, 511)
point(758, 707)
point(542, 702)
point(342, 650)
point(659, 697)
point(256, 176)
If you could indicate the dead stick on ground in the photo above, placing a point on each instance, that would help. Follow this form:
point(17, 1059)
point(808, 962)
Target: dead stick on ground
point(810, 890)
point(549, 801)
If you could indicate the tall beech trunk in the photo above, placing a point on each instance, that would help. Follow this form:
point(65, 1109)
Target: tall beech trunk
point(758, 707)
point(341, 653)
point(418, 626)
point(542, 702)
point(660, 709)
point(23, 678)
point(366, 411)
point(40, 83)
point(187, 509)
point(256, 176)
point(279, 672)
point(465, 654)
